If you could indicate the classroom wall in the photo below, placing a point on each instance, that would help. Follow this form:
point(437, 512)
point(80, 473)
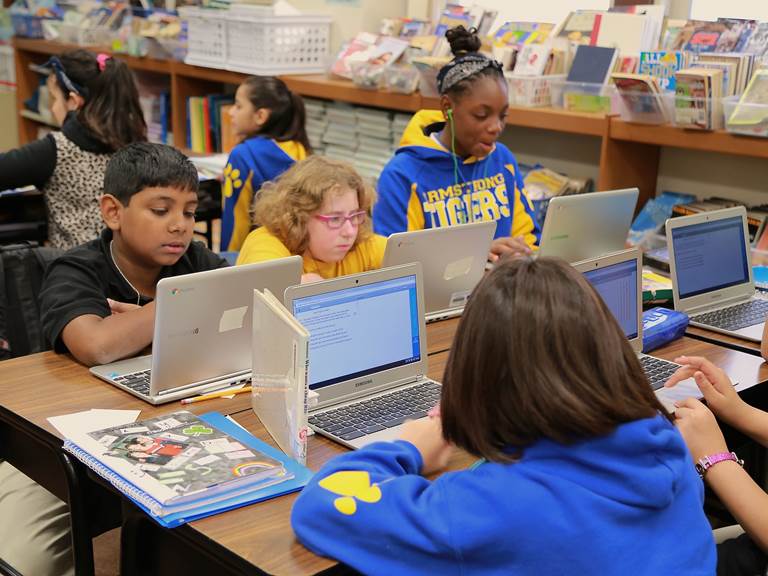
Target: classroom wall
point(352, 16)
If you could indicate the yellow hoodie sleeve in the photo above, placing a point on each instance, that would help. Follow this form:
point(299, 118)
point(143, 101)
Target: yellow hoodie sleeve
point(260, 246)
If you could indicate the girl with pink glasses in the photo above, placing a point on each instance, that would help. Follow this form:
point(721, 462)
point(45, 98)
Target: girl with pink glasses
point(319, 209)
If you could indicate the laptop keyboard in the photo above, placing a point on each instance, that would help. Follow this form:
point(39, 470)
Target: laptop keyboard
point(735, 317)
point(376, 414)
point(138, 381)
point(658, 371)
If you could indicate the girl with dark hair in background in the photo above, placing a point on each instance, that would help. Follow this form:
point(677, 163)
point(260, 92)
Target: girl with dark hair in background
point(581, 470)
point(269, 119)
point(450, 168)
point(94, 99)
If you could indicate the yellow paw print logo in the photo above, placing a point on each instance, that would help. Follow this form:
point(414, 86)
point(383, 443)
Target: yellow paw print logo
point(351, 486)
point(231, 180)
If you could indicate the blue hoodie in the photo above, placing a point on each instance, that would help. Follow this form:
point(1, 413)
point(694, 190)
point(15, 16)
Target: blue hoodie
point(626, 503)
point(251, 163)
point(421, 187)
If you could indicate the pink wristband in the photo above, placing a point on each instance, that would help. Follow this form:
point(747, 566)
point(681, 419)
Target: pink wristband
point(707, 462)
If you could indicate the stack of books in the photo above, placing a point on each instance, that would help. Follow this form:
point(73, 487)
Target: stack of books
point(340, 136)
point(374, 137)
point(316, 123)
point(698, 98)
point(180, 467)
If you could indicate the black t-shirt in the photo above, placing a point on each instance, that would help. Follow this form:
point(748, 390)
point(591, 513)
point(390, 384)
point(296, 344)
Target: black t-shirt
point(80, 281)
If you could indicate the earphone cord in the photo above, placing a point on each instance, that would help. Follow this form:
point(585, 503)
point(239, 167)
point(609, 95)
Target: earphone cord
point(470, 211)
point(138, 294)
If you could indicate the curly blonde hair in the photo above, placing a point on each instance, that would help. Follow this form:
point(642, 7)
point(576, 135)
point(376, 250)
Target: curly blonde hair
point(285, 205)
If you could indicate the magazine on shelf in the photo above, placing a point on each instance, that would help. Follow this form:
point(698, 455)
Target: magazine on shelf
point(180, 467)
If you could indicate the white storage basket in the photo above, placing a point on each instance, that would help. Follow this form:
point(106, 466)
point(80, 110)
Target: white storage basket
point(206, 36)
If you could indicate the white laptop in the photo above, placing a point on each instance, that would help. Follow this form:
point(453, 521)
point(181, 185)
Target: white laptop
point(367, 353)
point(452, 259)
point(202, 338)
point(582, 226)
point(617, 278)
point(711, 270)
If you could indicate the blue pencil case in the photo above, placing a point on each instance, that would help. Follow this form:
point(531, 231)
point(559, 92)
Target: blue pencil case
point(661, 326)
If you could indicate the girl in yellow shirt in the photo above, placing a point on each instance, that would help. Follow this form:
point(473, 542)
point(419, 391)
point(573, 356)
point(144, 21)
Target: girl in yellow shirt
point(319, 209)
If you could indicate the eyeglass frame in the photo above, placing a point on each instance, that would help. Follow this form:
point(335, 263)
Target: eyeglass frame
point(326, 219)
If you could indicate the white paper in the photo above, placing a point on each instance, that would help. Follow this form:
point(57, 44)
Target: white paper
point(90, 420)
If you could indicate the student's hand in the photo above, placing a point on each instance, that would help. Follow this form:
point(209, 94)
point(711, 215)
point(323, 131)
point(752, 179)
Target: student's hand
point(508, 246)
point(714, 384)
point(699, 428)
point(120, 307)
point(311, 277)
point(427, 435)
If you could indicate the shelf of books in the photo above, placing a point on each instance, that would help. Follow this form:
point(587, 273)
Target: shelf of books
point(707, 141)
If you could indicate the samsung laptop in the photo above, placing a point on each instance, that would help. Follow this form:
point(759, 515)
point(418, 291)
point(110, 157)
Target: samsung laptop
point(617, 278)
point(202, 339)
point(711, 270)
point(582, 226)
point(367, 353)
point(452, 259)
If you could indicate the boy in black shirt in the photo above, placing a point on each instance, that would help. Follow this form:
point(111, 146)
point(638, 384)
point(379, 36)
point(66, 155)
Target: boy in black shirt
point(97, 299)
point(97, 303)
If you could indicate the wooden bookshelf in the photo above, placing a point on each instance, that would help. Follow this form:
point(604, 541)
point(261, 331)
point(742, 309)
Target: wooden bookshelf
point(629, 153)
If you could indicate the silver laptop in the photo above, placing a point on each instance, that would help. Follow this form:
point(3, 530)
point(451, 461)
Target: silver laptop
point(367, 353)
point(584, 226)
point(617, 278)
point(202, 339)
point(453, 261)
point(711, 270)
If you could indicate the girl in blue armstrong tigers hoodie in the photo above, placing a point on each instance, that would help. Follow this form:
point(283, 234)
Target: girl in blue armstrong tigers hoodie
point(582, 471)
point(449, 168)
point(269, 119)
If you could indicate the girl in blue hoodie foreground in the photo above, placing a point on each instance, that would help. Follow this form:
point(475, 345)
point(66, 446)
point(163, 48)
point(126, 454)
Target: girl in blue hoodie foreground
point(582, 471)
point(270, 120)
point(449, 168)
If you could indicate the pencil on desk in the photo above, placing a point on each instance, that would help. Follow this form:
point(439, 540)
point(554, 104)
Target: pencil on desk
point(218, 394)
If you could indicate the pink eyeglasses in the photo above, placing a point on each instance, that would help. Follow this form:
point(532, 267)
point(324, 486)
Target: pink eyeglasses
point(336, 221)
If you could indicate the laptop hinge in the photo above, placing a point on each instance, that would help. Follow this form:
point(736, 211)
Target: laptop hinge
point(363, 394)
point(211, 383)
point(719, 304)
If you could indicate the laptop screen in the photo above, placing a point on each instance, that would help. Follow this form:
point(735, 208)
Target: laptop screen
point(360, 330)
point(617, 286)
point(710, 256)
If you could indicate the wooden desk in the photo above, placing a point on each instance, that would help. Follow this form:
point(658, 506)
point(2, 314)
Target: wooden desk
point(239, 541)
point(37, 386)
point(440, 335)
point(258, 539)
point(724, 340)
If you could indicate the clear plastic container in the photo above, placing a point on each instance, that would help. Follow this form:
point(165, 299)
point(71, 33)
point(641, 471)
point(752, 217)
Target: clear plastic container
point(584, 97)
point(645, 108)
point(698, 113)
point(428, 82)
point(533, 91)
point(749, 119)
point(403, 79)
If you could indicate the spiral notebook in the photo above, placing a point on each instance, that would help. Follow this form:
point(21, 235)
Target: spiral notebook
point(181, 467)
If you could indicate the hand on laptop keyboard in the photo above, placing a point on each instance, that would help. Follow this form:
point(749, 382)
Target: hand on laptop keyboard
point(714, 384)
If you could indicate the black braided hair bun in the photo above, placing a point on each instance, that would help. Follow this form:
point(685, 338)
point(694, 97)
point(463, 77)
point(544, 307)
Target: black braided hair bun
point(463, 41)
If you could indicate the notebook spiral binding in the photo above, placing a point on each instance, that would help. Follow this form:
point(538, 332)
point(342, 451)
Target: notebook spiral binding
point(123, 485)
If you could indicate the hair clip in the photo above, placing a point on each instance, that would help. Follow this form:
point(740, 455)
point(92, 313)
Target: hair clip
point(101, 59)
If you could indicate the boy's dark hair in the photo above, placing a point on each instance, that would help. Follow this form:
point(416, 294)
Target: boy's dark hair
point(538, 355)
point(287, 117)
point(111, 109)
point(146, 165)
point(465, 43)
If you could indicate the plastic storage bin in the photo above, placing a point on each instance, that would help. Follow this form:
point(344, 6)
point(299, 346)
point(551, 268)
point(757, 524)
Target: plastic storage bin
point(645, 108)
point(249, 39)
point(584, 97)
point(533, 91)
point(28, 25)
point(277, 44)
point(206, 36)
point(749, 119)
point(698, 113)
